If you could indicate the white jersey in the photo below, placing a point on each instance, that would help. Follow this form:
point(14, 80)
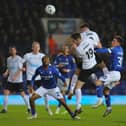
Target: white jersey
point(33, 61)
point(14, 64)
point(86, 51)
point(90, 35)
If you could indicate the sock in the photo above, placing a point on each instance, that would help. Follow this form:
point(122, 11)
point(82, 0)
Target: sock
point(73, 82)
point(107, 100)
point(46, 101)
point(78, 98)
point(99, 91)
point(26, 100)
point(5, 104)
point(105, 70)
point(33, 111)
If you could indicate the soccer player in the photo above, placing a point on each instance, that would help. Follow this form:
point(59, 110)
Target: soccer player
point(86, 33)
point(111, 77)
point(67, 66)
point(33, 61)
point(85, 50)
point(15, 80)
point(48, 75)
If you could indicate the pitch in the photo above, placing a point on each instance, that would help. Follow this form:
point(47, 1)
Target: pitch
point(17, 116)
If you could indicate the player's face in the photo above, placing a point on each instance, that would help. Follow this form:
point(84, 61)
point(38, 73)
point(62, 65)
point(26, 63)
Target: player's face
point(12, 51)
point(35, 48)
point(46, 61)
point(76, 41)
point(114, 42)
point(66, 49)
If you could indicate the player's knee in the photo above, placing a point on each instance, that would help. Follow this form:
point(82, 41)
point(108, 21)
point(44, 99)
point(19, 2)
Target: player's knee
point(98, 83)
point(106, 91)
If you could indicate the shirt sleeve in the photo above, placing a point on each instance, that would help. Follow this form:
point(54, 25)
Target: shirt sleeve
point(103, 50)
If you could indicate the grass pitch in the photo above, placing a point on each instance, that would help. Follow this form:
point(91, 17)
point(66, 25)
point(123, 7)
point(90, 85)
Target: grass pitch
point(17, 116)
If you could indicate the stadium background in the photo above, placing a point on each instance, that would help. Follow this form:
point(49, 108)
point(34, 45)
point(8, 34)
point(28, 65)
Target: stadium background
point(21, 22)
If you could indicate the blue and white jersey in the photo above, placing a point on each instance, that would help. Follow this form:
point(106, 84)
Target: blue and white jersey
point(33, 61)
point(48, 76)
point(116, 58)
point(68, 62)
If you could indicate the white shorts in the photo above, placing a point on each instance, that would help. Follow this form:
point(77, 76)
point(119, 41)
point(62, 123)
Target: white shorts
point(55, 92)
point(60, 83)
point(111, 79)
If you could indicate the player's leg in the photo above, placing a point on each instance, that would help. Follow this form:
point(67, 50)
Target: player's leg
point(40, 92)
point(107, 102)
point(78, 95)
point(56, 93)
point(26, 100)
point(73, 83)
point(48, 109)
point(99, 93)
point(60, 85)
point(5, 101)
point(32, 105)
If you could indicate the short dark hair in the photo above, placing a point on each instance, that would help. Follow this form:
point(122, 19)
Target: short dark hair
point(119, 38)
point(84, 25)
point(76, 36)
point(46, 56)
point(12, 46)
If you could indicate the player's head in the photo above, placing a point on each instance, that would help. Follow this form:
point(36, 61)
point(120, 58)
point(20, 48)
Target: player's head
point(117, 41)
point(45, 60)
point(12, 50)
point(76, 38)
point(35, 47)
point(65, 49)
point(84, 27)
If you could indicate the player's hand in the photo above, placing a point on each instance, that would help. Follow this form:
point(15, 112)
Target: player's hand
point(65, 70)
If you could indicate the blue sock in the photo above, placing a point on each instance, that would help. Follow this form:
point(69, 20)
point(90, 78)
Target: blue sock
point(33, 111)
point(99, 91)
point(59, 105)
point(107, 100)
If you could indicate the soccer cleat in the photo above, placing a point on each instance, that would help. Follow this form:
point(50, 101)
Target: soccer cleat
point(28, 111)
point(57, 110)
point(98, 104)
point(74, 116)
point(32, 117)
point(107, 112)
point(49, 111)
point(78, 111)
point(3, 111)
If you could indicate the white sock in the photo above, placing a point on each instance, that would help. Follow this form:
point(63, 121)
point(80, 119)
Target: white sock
point(73, 82)
point(78, 98)
point(5, 104)
point(26, 100)
point(46, 101)
point(100, 99)
point(105, 70)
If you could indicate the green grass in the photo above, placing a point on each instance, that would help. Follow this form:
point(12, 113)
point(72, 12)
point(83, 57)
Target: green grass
point(90, 117)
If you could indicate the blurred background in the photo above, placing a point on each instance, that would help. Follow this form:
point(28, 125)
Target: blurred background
point(23, 21)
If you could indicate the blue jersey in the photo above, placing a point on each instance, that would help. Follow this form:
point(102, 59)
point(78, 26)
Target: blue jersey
point(48, 76)
point(116, 58)
point(68, 62)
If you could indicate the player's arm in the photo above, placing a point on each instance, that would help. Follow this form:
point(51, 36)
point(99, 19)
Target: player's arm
point(20, 69)
point(103, 50)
